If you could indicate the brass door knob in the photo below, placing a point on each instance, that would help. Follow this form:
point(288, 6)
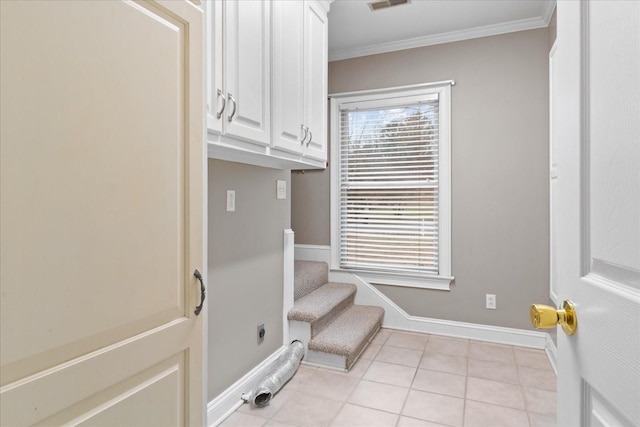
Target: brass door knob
point(544, 316)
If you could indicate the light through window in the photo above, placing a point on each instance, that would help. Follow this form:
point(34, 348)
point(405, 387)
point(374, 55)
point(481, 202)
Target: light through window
point(389, 188)
point(389, 185)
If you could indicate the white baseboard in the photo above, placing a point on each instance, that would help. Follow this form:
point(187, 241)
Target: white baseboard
point(396, 318)
point(229, 400)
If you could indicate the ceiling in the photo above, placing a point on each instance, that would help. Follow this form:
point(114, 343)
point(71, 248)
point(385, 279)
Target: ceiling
point(355, 30)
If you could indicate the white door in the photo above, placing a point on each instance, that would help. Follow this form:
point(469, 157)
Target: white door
point(101, 213)
point(596, 211)
point(288, 71)
point(247, 69)
point(315, 79)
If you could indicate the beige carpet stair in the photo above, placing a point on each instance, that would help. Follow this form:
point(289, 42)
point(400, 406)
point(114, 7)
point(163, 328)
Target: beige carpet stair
point(320, 307)
point(324, 317)
point(309, 276)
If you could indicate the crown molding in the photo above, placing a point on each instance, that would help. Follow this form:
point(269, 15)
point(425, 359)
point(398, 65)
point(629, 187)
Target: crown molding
point(325, 4)
point(453, 36)
point(547, 12)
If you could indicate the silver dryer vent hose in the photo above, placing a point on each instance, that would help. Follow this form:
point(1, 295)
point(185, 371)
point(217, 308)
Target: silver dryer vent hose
point(281, 372)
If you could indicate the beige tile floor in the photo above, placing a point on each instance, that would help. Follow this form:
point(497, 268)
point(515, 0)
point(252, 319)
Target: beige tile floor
point(407, 379)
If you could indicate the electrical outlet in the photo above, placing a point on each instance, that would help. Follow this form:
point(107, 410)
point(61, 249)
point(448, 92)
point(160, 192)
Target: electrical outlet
point(491, 301)
point(231, 201)
point(261, 332)
point(281, 190)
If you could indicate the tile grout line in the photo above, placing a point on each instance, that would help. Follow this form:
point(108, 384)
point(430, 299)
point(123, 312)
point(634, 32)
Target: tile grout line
point(338, 412)
point(524, 400)
point(466, 387)
point(404, 403)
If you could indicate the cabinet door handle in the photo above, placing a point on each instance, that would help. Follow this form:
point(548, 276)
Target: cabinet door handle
point(304, 136)
point(224, 103)
point(310, 138)
point(233, 112)
point(198, 276)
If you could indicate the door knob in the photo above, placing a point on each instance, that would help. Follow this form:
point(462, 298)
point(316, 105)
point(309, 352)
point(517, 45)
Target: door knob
point(544, 316)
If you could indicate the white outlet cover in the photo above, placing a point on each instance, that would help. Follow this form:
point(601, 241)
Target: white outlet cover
point(231, 201)
point(491, 301)
point(281, 189)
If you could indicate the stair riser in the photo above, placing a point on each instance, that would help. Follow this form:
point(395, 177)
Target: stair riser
point(322, 323)
point(309, 276)
point(300, 331)
point(325, 360)
point(353, 358)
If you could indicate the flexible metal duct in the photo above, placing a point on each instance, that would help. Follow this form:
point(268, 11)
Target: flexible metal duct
point(281, 372)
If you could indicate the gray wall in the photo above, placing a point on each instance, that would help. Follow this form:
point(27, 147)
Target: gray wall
point(245, 269)
point(553, 28)
point(500, 207)
point(310, 218)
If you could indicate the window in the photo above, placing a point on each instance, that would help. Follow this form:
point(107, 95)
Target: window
point(390, 194)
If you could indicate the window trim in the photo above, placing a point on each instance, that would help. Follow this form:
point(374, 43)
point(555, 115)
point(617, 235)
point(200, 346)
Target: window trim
point(443, 280)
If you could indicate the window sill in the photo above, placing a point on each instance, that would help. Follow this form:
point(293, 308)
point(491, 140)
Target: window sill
point(441, 283)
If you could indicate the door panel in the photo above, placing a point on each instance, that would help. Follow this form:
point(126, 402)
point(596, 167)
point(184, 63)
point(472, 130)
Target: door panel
point(101, 204)
point(597, 212)
point(62, 176)
point(316, 79)
point(86, 384)
point(599, 413)
point(288, 86)
point(247, 69)
point(613, 88)
point(164, 387)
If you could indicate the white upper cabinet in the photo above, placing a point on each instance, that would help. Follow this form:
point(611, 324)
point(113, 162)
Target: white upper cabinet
point(267, 82)
point(215, 96)
point(288, 75)
point(239, 65)
point(300, 78)
point(315, 80)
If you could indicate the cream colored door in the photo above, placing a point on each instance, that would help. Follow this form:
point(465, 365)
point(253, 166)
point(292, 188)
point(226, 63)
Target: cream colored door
point(101, 213)
point(596, 210)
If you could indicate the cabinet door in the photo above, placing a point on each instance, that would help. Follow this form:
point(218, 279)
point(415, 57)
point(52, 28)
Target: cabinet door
point(247, 70)
point(288, 87)
point(216, 96)
point(101, 207)
point(315, 27)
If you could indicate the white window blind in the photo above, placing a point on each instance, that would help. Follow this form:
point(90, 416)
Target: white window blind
point(388, 185)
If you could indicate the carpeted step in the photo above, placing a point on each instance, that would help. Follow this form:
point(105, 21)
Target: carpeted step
point(309, 276)
point(349, 334)
point(321, 306)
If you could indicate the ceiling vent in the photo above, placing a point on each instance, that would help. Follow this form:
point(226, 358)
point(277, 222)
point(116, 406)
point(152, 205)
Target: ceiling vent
point(377, 5)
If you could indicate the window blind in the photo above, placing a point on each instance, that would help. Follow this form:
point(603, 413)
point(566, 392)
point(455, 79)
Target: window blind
point(389, 187)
